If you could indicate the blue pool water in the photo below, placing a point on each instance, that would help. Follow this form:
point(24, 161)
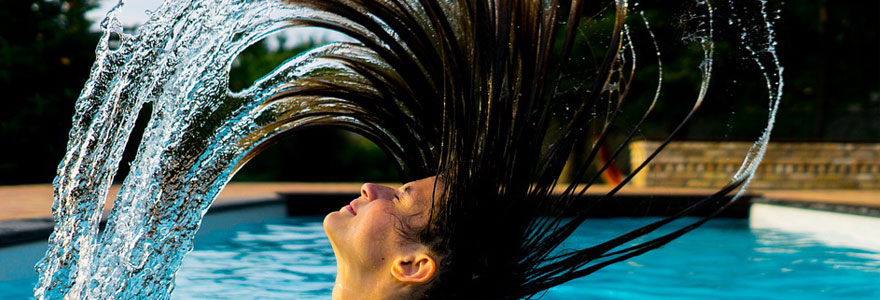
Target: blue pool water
point(290, 258)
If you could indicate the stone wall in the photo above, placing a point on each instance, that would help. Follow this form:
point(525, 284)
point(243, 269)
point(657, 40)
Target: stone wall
point(787, 165)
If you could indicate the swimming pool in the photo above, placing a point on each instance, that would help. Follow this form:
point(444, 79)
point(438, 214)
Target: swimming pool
point(269, 256)
point(290, 258)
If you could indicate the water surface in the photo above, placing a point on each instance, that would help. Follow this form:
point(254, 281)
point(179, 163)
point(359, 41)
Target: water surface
point(290, 258)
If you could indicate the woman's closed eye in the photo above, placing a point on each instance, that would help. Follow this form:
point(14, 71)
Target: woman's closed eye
point(399, 201)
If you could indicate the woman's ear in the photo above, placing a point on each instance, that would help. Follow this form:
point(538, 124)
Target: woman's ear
point(416, 268)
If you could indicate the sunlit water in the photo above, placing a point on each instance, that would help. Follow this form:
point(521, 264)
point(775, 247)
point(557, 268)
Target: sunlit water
point(291, 258)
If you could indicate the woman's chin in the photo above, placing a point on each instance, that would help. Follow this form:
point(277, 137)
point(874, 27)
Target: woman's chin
point(333, 222)
point(329, 220)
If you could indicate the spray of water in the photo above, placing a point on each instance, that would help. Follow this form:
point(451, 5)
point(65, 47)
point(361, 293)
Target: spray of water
point(200, 132)
point(196, 139)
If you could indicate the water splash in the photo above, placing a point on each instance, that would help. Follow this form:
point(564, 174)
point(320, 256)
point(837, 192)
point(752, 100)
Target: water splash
point(200, 132)
point(770, 68)
point(197, 137)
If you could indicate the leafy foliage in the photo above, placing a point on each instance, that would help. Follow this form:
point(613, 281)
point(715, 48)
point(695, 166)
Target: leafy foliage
point(46, 51)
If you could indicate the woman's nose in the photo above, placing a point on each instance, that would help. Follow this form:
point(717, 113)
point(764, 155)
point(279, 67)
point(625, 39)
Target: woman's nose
point(373, 191)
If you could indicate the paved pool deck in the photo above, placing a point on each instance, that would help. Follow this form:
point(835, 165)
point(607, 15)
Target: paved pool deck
point(35, 201)
point(25, 210)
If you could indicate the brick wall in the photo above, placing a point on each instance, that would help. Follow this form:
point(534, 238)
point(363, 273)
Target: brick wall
point(785, 166)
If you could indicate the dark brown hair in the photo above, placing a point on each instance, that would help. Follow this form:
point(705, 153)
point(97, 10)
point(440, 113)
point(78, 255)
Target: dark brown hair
point(472, 91)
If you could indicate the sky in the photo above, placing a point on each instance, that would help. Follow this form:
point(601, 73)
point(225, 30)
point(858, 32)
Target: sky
point(134, 13)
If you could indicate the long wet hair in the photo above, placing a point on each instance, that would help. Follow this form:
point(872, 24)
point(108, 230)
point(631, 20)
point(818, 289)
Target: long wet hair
point(479, 93)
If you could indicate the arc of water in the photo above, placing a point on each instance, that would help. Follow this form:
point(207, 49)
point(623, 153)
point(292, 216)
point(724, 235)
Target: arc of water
point(198, 134)
point(771, 70)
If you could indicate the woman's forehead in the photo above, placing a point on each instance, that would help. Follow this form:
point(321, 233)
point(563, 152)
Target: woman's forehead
point(419, 188)
point(418, 192)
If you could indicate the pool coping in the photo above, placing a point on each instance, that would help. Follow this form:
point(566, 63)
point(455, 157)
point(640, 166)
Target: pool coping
point(14, 232)
point(850, 209)
point(319, 198)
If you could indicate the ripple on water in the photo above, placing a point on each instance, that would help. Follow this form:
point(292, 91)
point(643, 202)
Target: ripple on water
point(291, 259)
point(280, 259)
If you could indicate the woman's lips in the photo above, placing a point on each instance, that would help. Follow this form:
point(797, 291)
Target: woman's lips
point(351, 209)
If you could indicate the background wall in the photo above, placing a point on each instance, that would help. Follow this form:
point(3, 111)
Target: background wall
point(786, 165)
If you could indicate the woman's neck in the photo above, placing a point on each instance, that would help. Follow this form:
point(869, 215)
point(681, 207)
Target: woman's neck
point(361, 286)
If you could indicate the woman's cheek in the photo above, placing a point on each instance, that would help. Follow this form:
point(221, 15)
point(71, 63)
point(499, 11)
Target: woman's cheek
point(374, 233)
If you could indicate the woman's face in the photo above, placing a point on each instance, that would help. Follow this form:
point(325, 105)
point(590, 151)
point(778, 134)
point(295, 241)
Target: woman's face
point(365, 234)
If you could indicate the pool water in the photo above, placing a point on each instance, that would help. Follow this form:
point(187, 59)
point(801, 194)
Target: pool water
point(290, 258)
point(282, 258)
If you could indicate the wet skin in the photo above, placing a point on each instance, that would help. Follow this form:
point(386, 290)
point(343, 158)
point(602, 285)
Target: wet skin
point(374, 260)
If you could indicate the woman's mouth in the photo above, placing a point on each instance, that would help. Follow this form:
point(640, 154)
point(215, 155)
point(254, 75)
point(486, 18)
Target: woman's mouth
point(351, 209)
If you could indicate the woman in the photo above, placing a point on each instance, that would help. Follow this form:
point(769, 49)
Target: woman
point(485, 102)
point(376, 256)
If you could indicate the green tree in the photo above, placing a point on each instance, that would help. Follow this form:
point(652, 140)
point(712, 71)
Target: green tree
point(46, 51)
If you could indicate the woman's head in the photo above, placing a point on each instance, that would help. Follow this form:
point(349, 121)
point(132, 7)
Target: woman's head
point(376, 243)
point(423, 240)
